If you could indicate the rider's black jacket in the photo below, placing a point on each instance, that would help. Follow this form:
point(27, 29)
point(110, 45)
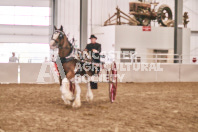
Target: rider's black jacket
point(97, 47)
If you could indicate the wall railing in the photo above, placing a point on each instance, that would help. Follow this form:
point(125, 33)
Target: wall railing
point(40, 57)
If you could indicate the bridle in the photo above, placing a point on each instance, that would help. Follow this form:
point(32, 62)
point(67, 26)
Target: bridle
point(59, 37)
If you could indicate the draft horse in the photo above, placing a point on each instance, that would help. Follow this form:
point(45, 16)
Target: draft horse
point(60, 40)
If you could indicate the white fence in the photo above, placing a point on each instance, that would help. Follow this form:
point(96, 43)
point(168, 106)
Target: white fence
point(169, 73)
point(133, 57)
point(26, 72)
point(159, 58)
point(184, 70)
point(29, 73)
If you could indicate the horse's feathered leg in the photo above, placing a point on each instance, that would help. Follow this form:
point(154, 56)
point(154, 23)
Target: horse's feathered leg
point(77, 101)
point(67, 95)
point(89, 95)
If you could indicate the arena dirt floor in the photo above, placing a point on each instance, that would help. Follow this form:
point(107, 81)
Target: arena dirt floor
point(139, 107)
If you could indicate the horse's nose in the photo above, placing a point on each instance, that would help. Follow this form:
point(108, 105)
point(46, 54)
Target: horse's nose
point(52, 45)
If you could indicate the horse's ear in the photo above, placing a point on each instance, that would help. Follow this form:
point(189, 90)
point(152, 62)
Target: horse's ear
point(61, 28)
point(55, 27)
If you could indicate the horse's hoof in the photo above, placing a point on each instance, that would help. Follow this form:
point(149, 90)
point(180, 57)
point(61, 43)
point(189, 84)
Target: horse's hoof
point(89, 98)
point(67, 102)
point(76, 104)
point(69, 97)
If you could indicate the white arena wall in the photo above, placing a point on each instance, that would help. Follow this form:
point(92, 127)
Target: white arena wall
point(170, 73)
point(29, 73)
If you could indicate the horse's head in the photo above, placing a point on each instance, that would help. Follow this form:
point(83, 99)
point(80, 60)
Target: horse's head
point(57, 39)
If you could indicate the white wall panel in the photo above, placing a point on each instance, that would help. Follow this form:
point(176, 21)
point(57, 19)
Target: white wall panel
point(29, 69)
point(69, 16)
point(24, 34)
point(194, 44)
point(36, 68)
point(186, 40)
point(170, 73)
point(39, 3)
point(24, 39)
point(24, 30)
point(9, 72)
point(106, 37)
point(189, 73)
